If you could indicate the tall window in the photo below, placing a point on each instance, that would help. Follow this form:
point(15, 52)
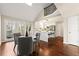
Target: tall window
point(13, 26)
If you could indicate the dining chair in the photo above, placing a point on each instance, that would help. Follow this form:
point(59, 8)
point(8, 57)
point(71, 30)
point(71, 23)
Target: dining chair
point(37, 43)
point(25, 46)
point(16, 36)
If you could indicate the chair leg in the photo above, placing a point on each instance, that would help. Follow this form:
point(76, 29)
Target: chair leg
point(14, 48)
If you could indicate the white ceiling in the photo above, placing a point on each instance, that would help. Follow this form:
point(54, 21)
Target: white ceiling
point(68, 9)
point(22, 10)
point(26, 12)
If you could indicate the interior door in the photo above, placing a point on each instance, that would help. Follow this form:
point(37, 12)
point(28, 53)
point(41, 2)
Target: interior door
point(73, 30)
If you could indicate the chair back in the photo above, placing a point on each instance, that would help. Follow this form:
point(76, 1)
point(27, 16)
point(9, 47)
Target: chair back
point(16, 36)
point(25, 46)
point(37, 36)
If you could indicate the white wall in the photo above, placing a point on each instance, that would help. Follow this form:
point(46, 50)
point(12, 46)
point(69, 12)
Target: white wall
point(59, 29)
point(65, 26)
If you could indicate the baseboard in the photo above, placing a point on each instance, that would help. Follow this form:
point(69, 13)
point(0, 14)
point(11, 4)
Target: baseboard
point(7, 41)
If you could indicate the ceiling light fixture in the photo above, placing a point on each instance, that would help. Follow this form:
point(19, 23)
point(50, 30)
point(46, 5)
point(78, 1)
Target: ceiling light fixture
point(29, 2)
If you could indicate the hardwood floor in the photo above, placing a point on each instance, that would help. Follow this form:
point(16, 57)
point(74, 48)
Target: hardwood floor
point(67, 50)
point(7, 49)
point(71, 50)
point(49, 51)
point(56, 45)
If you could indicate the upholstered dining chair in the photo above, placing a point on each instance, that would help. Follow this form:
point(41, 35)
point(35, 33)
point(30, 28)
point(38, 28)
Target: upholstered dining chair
point(25, 46)
point(16, 36)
